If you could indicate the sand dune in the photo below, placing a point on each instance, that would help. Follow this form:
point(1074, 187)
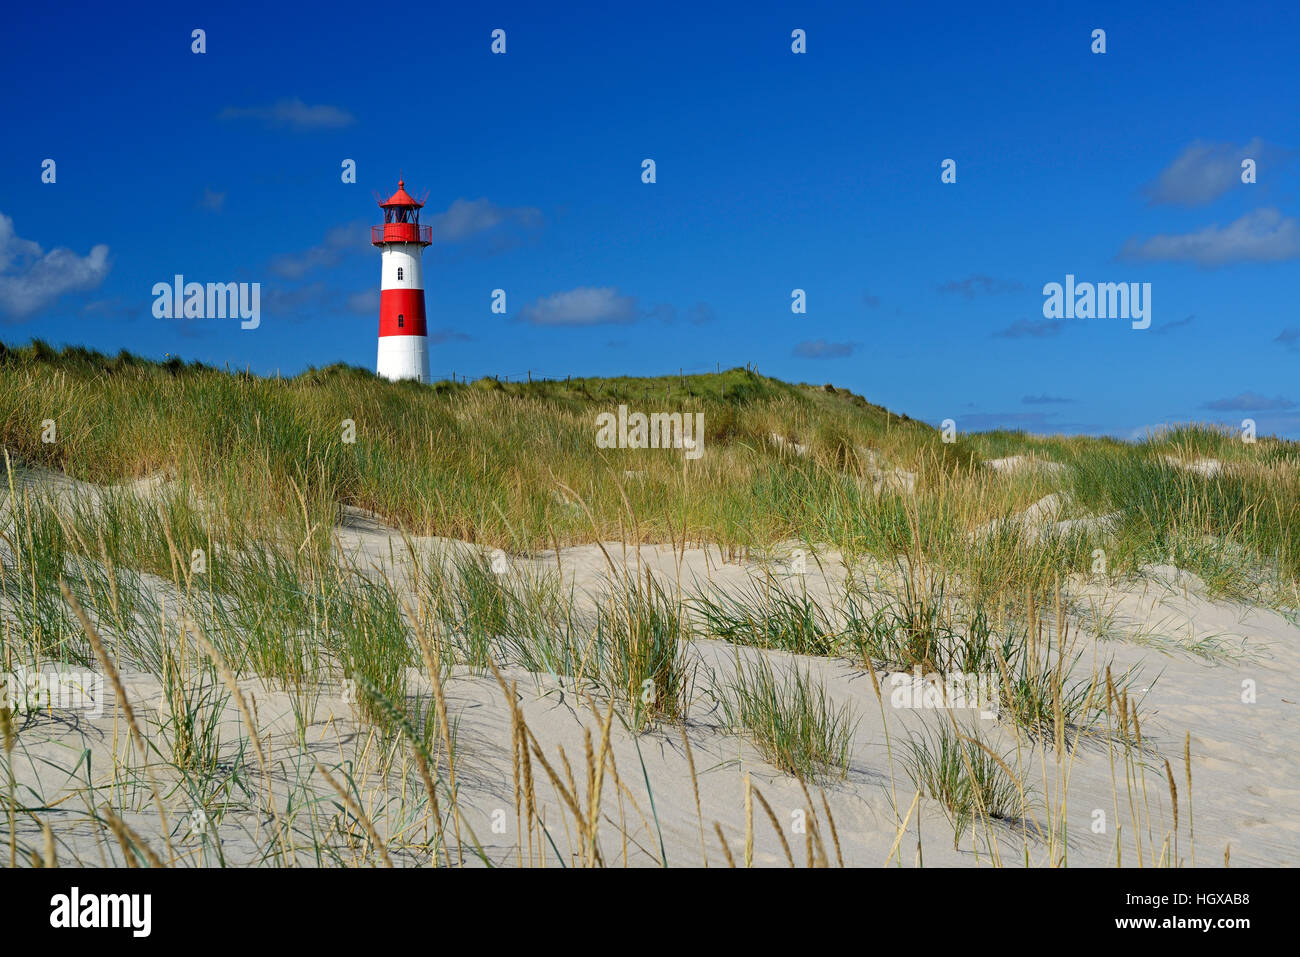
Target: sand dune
point(1225, 674)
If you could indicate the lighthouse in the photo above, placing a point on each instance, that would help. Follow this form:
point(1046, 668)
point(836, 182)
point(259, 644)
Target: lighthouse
point(403, 338)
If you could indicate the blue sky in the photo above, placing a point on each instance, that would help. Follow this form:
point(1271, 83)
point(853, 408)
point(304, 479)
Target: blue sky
point(775, 171)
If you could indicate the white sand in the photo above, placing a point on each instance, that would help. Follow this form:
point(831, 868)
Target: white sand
point(1195, 656)
point(1024, 463)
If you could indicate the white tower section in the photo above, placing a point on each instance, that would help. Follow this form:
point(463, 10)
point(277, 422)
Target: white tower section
point(403, 339)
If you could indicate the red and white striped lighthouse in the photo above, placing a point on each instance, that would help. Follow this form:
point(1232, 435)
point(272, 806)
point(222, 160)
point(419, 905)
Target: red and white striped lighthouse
point(403, 338)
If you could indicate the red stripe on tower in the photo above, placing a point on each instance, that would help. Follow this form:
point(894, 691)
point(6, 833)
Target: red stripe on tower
point(401, 312)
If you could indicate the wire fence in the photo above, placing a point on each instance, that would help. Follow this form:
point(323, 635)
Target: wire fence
point(538, 375)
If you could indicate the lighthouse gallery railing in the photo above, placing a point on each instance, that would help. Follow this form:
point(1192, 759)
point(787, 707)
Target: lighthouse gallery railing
point(401, 233)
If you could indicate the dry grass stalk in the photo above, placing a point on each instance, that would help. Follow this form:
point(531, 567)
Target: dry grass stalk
point(444, 727)
point(357, 813)
point(902, 828)
point(749, 821)
point(250, 724)
point(127, 837)
point(835, 836)
point(726, 851)
point(695, 788)
point(97, 644)
point(1191, 820)
point(776, 826)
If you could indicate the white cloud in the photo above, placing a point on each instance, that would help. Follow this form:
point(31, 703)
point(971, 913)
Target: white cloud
point(466, 218)
point(212, 200)
point(354, 237)
point(821, 349)
point(462, 221)
point(1032, 329)
point(969, 286)
point(1205, 171)
point(31, 279)
point(584, 306)
point(1037, 423)
point(364, 303)
point(1264, 235)
point(293, 114)
point(1250, 402)
point(437, 336)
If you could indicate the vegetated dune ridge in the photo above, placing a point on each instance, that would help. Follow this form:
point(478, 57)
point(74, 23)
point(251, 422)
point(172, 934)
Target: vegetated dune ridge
point(759, 654)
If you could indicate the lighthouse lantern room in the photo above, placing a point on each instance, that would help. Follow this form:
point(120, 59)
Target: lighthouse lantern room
point(403, 338)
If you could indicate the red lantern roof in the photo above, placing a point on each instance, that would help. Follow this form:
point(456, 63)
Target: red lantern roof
point(401, 197)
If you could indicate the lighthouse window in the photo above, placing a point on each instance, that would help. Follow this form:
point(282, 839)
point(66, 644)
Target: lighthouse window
point(399, 272)
point(401, 321)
